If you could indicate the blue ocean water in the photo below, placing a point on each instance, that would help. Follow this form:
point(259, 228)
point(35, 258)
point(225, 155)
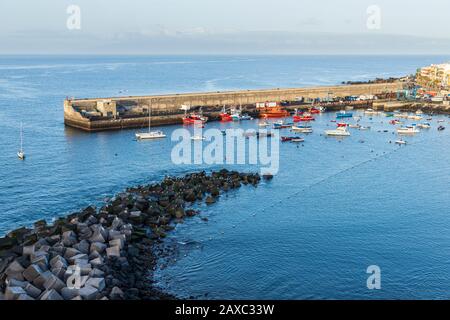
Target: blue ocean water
point(336, 206)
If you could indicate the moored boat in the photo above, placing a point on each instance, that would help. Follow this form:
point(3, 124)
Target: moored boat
point(408, 130)
point(344, 114)
point(271, 110)
point(302, 129)
point(150, 134)
point(338, 132)
point(225, 116)
point(400, 141)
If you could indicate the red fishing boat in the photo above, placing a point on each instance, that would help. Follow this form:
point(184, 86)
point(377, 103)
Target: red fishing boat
point(225, 116)
point(271, 110)
point(342, 125)
point(304, 117)
point(314, 111)
point(193, 118)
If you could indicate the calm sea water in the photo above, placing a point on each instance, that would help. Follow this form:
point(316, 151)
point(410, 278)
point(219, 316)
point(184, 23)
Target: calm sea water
point(336, 206)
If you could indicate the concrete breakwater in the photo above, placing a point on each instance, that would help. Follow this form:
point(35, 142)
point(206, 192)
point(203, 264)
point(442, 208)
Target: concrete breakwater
point(112, 113)
point(107, 253)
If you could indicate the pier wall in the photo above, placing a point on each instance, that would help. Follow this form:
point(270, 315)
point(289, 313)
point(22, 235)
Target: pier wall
point(166, 108)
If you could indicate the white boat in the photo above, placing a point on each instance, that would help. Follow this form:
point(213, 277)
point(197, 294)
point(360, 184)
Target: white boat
point(302, 129)
point(21, 153)
point(364, 128)
point(410, 130)
point(197, 137)
point(298, 140)
point(424, 125)
point(263, 124)
point(150, 134)
point(402, 115)
point(370, 112)
point(354, 126)
point(339, 132)
point(415, 117)
point(419, 112)
point(401, 141)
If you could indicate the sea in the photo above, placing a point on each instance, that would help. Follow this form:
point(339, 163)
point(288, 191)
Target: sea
point(335, 209)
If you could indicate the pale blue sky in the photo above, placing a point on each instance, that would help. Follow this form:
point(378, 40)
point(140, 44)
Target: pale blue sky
point(180, 26)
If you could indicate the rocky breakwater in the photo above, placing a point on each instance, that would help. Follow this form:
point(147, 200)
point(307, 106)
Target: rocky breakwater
point(106, 253)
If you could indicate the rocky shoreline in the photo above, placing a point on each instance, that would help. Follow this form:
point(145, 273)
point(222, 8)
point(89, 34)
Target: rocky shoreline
point(106, 254)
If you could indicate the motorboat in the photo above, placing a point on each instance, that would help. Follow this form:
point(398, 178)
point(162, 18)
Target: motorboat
point(406, 130)
point(370, 112)
point(425, 125)
point(354, 126)
point(344, 114)
point(302, 129)
point(271, 110)
point(340, 131)
point(197, 138)
point(246, 117)
point(298, 140)
point(281, 125)
point(342, 125)
point(286, 139)
point(441, 128)
point(362, 128)
point(400, 142)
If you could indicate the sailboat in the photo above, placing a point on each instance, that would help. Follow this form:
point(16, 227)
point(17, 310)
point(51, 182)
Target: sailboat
point(150, 134)
point(21, 154)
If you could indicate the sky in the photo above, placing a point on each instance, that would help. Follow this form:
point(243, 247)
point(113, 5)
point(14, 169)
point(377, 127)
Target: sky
point(224, 26)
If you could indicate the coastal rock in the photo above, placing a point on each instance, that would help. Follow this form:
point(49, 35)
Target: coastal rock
point(98, 247)
point(98, 283)
point(15, 270)
point(69, 293)
point(116, 294)
point(82, 246)
point(12, 293)
point(113, 251)
point(210, 200)
point(88, 292)
point(51, 295)
point(39, 281)
point(32, 272)
point(71, 252)
point(32, 291)
point(53, 282)
point(58, 262)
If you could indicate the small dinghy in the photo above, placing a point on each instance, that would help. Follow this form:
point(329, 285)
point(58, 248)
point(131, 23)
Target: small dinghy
point(197, 138)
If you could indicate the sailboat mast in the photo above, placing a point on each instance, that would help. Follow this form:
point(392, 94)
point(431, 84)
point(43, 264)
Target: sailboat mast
point(149, 117)
point(21, 137)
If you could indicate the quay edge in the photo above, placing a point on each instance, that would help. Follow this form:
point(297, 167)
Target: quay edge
point(166, 108)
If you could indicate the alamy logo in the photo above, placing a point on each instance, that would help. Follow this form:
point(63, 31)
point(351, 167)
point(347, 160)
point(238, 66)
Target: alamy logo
point(374, 280)
point(230, 147)
point(374, 17)
point(74, 19)
point(74, 280)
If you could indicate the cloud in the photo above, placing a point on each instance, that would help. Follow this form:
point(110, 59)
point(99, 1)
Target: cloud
point(162, 40)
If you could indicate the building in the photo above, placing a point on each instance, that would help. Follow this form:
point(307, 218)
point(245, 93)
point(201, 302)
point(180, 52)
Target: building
point(435, 77)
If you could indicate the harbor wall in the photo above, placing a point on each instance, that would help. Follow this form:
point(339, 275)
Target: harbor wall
point(166, 108)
